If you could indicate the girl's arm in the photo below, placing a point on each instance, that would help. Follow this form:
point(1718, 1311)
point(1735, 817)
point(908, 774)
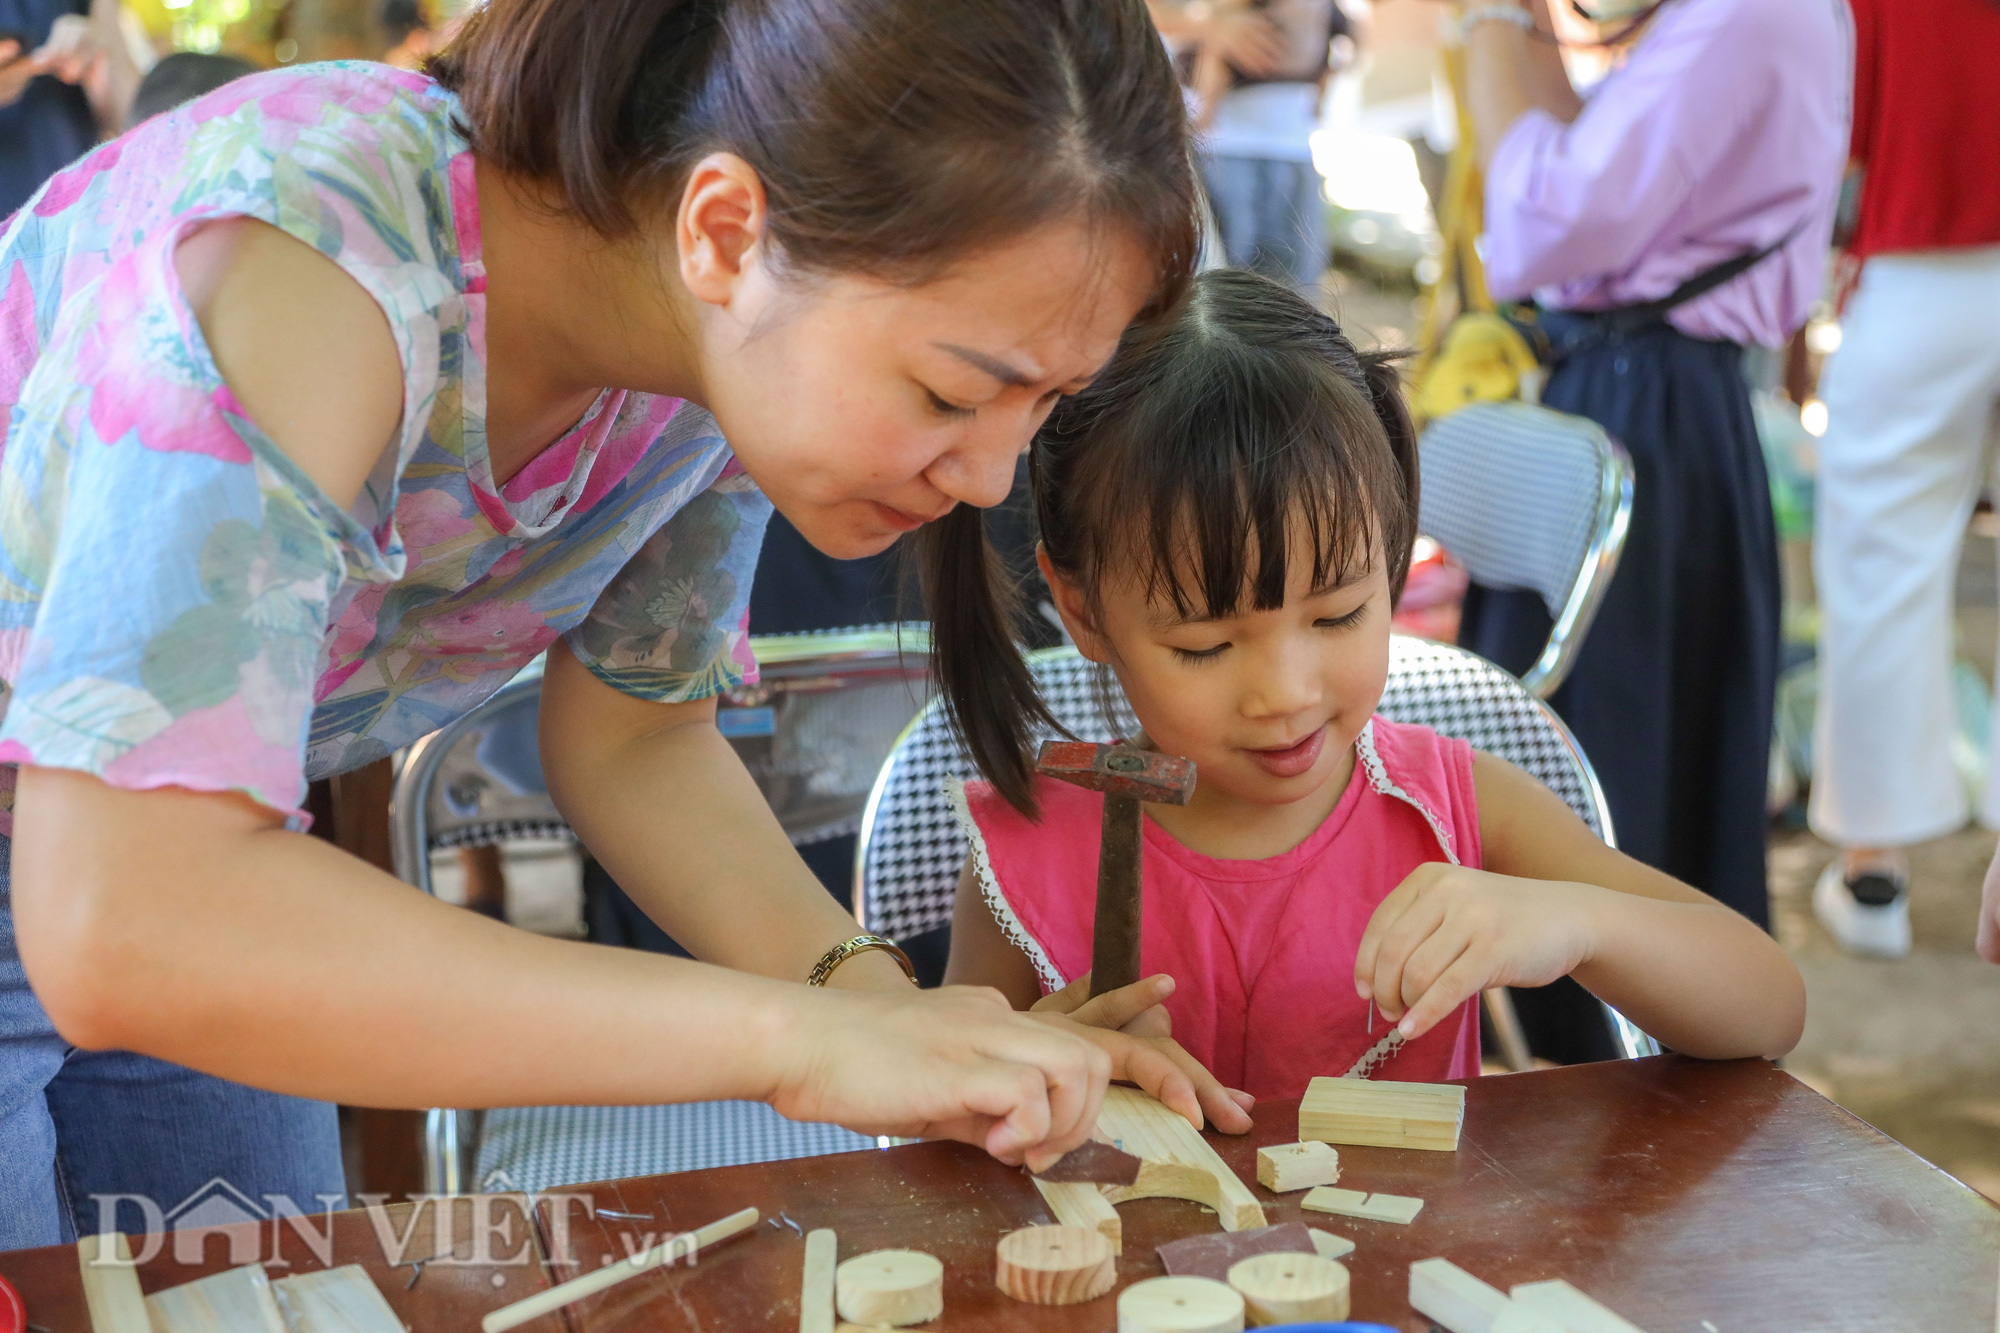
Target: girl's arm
point(1555, 901)
point(981, 955)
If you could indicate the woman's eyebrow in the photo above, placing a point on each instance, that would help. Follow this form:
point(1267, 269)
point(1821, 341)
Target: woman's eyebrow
point(992, 365)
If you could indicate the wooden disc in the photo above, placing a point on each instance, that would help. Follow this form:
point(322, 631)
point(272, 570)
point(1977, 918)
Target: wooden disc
point(890, 1287)
point(1290, 1289)
point(1055, 1265)
point(1179, 1305)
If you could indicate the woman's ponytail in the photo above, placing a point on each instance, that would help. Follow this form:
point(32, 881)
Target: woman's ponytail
point(979, 668)
point(1385, 395)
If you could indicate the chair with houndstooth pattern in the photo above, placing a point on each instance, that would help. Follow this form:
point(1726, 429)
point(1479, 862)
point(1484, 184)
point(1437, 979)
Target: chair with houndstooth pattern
point(911, 850)
point(813, 733)
point(1531, 500)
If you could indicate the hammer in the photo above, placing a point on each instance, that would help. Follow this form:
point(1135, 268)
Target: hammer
point(1126, 775)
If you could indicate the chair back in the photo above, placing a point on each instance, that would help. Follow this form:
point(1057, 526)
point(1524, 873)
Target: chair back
point(1531, 500)
point(813, 732)
point(911, 850)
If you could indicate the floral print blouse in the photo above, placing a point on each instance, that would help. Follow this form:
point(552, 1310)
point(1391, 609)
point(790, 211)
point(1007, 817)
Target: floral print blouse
point(180, 605)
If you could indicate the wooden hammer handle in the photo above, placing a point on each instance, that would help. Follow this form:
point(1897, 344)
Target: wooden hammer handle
point(1114, 954)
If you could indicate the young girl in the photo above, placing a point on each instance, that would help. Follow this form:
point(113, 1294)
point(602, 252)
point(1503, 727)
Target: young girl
point(1226, 517)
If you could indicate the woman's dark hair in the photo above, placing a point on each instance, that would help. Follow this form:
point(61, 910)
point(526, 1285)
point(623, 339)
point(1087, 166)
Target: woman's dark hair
point(891, 136)
point(1241, 432)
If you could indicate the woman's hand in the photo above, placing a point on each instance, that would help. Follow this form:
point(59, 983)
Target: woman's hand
point(956, 1063)
point(1989, 914)
point(1132, 1026)
point(1447, 933)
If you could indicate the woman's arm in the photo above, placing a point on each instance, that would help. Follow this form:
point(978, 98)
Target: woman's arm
point(1509, 73)
point(1555, 901)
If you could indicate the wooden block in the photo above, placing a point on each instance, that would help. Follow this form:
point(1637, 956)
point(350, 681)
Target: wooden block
point(1175, 1162)
point(891, 1287)
point(1180, 1305)
point(1212, 1254)
point(1330, 1246)
point(1519, 1318)
point(238, 1300)
point(1382, 1114)
point(1055, 1265)
point(1570, 1309)
point(1396, 1208)
point(334, 1300)
point(1290, 1289)
point(816, 1282)
point(1297, 1166)
point(1083, 1205)
point(111, 1285)
point(1446, 1294)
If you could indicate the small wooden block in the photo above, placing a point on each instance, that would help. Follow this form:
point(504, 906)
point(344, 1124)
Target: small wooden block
point(335, 1300)
point(1570, 1309)
point(1179, 1305)
point(111, 1284)
point(1095, 1162)
point(892, 1287)
point(238, 1300)
point(1296, 1166)
point(1055, 1265)
point(1291, 1289)
point(1382, 1114)
point(1446, 1294)
point(1213, 1254)
point(1519, 1318)
point(1396, 1208)
point(1329, 1245)
point(816, 1282)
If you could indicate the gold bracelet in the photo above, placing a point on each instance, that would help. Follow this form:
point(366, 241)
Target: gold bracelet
point(846, 949)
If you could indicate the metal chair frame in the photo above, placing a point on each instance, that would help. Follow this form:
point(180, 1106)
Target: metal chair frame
point(795, 658)
point(1593, 573)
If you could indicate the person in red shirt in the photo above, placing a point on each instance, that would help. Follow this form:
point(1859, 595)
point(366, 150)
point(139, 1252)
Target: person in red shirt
point(1911, 396)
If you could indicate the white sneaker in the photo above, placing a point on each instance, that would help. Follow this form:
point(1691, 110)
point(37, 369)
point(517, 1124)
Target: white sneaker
point(1875, 922)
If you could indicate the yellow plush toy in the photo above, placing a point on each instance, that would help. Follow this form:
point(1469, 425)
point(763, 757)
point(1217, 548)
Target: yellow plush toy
point(1482, 361)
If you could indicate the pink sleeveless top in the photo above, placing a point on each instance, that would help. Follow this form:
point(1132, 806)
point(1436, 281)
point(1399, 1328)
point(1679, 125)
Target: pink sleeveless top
point(1262, 951)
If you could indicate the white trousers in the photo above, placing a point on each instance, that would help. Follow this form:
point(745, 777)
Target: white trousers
point(1911, 398)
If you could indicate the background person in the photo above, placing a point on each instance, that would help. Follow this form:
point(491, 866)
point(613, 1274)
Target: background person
point(1715, 148)
point(411, 380)
point(1911, 395)
point(67, 75)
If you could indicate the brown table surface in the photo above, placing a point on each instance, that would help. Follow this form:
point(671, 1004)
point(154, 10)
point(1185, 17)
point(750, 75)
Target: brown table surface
point(1686, 1196)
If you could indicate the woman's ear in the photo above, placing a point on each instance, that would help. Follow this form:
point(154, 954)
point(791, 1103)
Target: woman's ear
point(720, 226)
point(1074, 609)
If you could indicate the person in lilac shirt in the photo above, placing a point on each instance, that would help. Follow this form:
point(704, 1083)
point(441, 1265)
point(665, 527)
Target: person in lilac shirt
point(1679, 213)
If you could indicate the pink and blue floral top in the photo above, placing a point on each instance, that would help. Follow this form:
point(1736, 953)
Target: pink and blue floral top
point(180, 605)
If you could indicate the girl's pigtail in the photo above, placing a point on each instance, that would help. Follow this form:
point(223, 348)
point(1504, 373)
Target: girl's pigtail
point(979, 667)
point(1385, 395)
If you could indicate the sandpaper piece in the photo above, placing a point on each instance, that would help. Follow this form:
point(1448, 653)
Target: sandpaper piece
point(1095, 1163)
point(1213, 1254)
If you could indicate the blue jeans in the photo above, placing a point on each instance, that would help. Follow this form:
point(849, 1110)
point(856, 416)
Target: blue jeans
point(76, 1124)
point(1271, 217)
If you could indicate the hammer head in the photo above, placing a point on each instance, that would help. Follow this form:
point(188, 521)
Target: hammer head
point(1119, 770)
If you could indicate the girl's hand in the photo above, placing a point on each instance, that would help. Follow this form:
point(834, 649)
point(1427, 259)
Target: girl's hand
point(1132, 1026)
point(1447, 933)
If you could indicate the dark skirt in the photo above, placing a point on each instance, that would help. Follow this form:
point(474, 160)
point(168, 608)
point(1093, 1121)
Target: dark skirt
point(1672, 693)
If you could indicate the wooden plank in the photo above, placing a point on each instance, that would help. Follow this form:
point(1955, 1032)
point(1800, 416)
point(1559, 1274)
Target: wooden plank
point(1329, 1245)
point(1563, 1304)
point(1446, 1294)
point(334, 1300)
point(238, 1300)
point(1398, 1208)
point(816, 1285)
point(1083, 1205)
point(1381, 1114)
point(111, 1285)
point(1175, 1161)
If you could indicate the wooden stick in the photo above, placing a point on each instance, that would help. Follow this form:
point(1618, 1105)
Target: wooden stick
point(236, 1300)
point(660, 1256)
point(111, 1285)
point(816, 1287)
point(335, 1300)
point(1446, 1294)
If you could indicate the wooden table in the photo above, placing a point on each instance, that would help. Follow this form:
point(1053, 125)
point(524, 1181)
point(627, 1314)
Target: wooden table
point(1674, 1191)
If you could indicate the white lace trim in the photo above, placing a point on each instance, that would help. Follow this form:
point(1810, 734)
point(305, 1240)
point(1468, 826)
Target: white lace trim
point(989, 889)
point(1379, 779)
